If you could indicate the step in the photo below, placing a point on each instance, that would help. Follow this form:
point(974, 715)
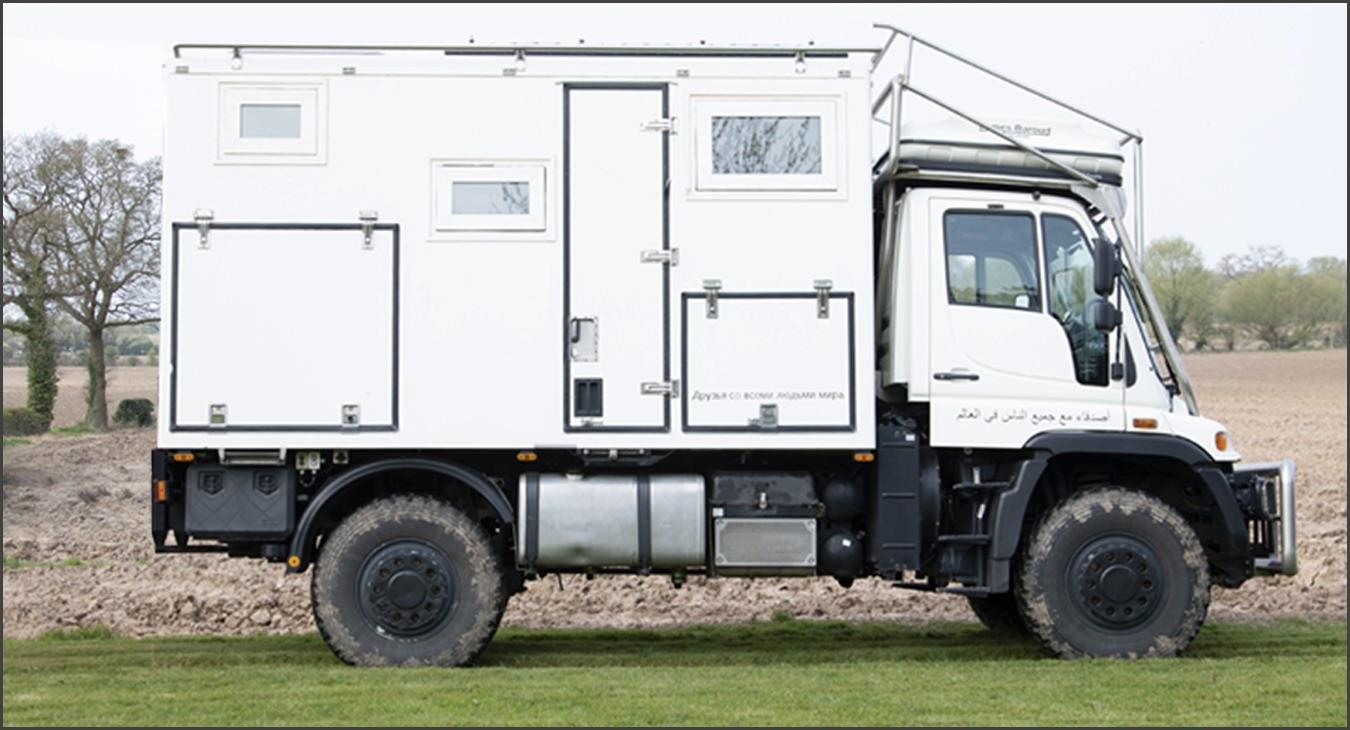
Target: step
point(981, 486)
point(963, 539)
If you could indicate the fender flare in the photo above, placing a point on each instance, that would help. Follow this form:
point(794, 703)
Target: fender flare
point(302, 541)
point(1006, 526)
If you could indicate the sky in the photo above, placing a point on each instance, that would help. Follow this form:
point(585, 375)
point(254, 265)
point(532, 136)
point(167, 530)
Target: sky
point(1242, 107)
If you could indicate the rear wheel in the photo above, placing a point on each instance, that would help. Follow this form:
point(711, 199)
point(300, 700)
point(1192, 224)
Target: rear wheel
point(998, 613)
point(407, 580)
point(1113, 573)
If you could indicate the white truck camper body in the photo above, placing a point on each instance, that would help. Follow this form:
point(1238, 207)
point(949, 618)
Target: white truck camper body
point(478, 330)
point(439, 321)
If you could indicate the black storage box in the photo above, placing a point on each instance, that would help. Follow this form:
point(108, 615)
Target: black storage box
point(240, 502)
point(765, 494)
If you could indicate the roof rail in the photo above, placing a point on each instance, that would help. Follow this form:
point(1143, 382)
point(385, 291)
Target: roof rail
point(536, 49)
point(901, 83)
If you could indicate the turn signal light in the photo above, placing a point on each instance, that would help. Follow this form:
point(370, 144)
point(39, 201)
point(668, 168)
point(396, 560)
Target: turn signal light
point(1145, 423)
point(527, 456)
point(184, 456)
point(1221, 441)
point(161, 491)
point(864, 457)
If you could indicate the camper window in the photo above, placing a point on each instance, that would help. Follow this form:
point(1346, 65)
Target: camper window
point(766, 144)
point(488, 196)
point(272, 123)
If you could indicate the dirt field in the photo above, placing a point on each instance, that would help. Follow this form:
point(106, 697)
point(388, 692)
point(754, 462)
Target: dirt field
point(122, 383)
point(77, 548)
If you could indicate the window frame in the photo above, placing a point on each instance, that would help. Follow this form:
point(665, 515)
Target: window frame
point(445, 224)
point(311, 147)
point(1037, 251)
point(829, 181)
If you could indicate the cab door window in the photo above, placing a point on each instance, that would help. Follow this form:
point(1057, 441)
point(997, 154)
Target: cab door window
point(1068, 263)
point(991, 259)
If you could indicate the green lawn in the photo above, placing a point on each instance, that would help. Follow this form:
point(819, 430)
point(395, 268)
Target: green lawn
point(792, 673)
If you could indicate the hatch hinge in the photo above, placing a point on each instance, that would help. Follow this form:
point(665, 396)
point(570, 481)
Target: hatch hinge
point(710, 289)
point(203, 217)
point(823, 287)
point(368, 218)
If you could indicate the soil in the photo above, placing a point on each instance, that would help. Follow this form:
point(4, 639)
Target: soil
point(94, 564)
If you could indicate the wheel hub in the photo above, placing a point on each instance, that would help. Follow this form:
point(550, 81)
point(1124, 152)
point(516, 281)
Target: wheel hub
point(1116, 581)
point(406, 588)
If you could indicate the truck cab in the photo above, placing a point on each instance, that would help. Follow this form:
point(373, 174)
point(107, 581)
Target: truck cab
point(676, 311)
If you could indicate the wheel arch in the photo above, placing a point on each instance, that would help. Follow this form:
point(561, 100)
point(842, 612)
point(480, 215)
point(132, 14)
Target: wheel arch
point(1170, 468)
point(338, 498)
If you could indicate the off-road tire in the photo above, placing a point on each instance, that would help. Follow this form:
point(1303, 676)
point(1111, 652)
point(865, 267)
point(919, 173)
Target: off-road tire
point(473, 578)
point(998, 613)
point(1074, 539)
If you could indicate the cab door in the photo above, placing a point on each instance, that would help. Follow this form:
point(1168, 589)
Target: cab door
point(1013, 352)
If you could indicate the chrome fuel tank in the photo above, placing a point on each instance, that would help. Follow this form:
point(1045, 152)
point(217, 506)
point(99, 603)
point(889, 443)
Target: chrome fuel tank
point(568, 522)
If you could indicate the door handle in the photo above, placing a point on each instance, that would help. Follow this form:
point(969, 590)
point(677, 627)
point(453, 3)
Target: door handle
point(956, 375)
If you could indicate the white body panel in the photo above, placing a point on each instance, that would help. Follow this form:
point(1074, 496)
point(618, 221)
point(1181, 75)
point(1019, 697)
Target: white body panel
point(482, 335)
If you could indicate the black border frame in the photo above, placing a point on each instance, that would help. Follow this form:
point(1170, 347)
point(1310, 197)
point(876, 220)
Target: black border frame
point(852, 426)
point(567, 89)
point(175, 427)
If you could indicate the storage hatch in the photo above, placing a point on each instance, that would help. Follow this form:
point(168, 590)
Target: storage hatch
point(284, 327)
point(768, 361)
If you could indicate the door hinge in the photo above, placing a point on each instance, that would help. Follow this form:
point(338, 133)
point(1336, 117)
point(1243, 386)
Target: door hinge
point(669, 256)
point(670, 388)
point(665, 124)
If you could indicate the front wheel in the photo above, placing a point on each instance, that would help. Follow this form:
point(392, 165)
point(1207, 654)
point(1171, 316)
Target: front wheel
point(407, 580)
point(1113, 573)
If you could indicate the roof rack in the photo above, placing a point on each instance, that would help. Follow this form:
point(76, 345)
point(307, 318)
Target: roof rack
point(538, 49)
point(902, 83)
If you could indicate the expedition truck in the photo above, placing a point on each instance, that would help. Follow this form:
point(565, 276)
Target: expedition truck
point(440, 321)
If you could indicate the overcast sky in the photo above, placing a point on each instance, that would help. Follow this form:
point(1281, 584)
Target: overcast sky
point(1243, 107)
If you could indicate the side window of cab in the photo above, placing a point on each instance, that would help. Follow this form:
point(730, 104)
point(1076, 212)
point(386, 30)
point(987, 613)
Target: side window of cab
point(1068, 266)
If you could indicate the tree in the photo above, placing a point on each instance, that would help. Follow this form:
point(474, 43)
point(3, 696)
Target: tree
point(35, 172)
point(1185, 289)
point(1264, 303)
point(109, 263)
point(1327, 273)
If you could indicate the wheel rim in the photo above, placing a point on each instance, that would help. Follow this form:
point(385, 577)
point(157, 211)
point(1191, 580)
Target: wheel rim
point(1116, 582)
point(406, 588)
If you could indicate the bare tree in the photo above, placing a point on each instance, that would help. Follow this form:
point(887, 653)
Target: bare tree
point(109, 264)
point(35, 172)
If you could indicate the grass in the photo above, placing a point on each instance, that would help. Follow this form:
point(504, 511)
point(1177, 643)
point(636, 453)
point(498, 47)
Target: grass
point(16, 441)
point(78, 429)
point(20, 564)
point(782, 672)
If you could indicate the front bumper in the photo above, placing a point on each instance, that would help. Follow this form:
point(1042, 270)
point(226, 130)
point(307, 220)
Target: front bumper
point(1268, 489)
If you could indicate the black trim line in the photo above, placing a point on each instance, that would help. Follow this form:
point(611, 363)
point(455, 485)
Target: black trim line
point(531, 521)
point(644, 515)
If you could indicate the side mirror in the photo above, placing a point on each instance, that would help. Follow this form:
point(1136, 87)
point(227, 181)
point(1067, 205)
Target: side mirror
point(1105, 316)
point(1105, 267)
